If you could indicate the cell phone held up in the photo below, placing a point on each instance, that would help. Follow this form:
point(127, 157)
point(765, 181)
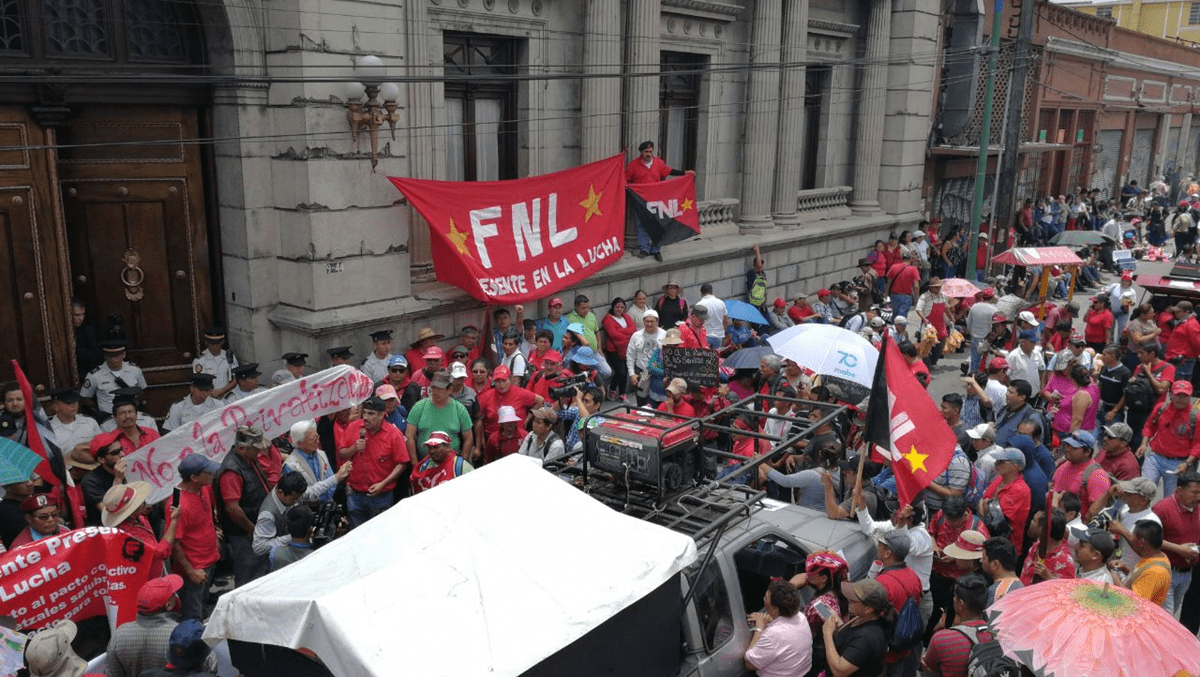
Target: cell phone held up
point(823, 610)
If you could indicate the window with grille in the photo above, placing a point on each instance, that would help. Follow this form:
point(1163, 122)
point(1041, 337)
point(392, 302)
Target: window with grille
point(1104, 12)
point(121, 31)
point(1194, 14)
point(481, 103)
point(679, 107)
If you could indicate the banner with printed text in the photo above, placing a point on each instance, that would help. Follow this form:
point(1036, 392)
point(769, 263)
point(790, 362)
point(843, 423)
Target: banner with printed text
point(75, 575)
point(521, 240)
point(273, 410)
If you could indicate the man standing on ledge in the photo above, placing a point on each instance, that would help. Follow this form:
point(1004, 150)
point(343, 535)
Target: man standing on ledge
point(646, 168)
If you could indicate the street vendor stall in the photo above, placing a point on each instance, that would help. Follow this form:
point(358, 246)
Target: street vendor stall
point(1044, 258)
point(502, 572)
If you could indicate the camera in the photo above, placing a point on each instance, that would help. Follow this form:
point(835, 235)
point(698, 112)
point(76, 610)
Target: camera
point(329, 516)
point(569, 386)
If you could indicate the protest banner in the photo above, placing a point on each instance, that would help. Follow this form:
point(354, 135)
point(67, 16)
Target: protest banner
point(273, 410)
point(516, 241)
point(666, 209)
point(75, 575)
point(697, 366)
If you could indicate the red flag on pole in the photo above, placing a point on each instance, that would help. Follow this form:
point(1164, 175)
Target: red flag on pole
point(45, 470)
point(906, 427)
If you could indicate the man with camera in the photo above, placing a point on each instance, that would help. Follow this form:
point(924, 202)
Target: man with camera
point(569, 406)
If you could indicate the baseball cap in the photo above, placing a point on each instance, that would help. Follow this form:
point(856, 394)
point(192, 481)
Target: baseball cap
point(878, 322)
point(552, 355)
point(501, 373)
point(779, 303)
point(999, 317)
point(386, 392)
point(983, 431)
point(545, 414)
point(155, 593)
point(919, 233)
point(650, 313)
point(998, 363)
point(373, 404)
point(1081, 439)
point(987, 293)
point(508, 415)
point(193, 464)
point(186, 646)
point(250, 435)
point(1127, 276)
point(867, 591)
point(677, 386)
point(1181, 388)
point(1119, 430)
point(1139, 485)
point(822, 292)
point(1101, 540)
point(1028, 335)
point(968, 545)
point(433, 353)
point(554, 302)
point(899, 320)
point(436, 438)
point(458, 370)
point(440, 379)
point(1026, 316)
point(1014, 456)
point(397, 361)
point(897, 541)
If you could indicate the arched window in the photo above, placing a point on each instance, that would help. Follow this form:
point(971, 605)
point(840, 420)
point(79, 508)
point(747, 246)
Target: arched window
point(142, 32)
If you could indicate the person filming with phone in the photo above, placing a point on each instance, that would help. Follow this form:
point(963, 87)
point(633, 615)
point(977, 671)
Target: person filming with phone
point(780, 639)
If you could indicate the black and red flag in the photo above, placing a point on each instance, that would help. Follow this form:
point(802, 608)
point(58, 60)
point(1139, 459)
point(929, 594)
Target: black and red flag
point(666, 209)
point(905, 425)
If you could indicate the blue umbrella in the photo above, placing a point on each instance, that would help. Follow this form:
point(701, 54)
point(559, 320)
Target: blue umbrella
point(17, 462)
point(748, 358)
point(740, 310)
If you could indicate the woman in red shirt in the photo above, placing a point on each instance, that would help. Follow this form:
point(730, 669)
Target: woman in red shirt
point(618, 327)
point(1098, 324)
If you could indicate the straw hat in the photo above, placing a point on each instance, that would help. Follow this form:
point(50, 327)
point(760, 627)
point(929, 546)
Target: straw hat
point(121, 501)
point(673, 338)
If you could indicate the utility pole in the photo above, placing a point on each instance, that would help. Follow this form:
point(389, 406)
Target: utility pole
point(1006, 175)
point(985, 135)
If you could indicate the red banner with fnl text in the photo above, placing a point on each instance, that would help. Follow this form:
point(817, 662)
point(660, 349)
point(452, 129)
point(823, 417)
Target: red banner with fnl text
point(521, 240)
point(75, 575)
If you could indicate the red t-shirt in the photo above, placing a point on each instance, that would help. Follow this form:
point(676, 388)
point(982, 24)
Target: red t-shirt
point(798, 313)
point(1069, 477)
point(1099, 324)
point(490, 402)
point(949, 649)
point(1168, 434)
point(1014, 503)
point(906, 277)
point(386, 449)
point(637, 171)
point(1123, 466)
point(693, 337)
point(1179, 526)
point(197, 535)
point(682, 408)
point(499, 446)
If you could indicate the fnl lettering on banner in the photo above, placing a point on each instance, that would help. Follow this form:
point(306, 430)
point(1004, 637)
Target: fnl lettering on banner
point(273, 410)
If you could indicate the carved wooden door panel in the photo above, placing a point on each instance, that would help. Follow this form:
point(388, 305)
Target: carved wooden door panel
point(135, 222)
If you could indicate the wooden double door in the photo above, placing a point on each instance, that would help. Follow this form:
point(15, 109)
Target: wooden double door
point(106, 207)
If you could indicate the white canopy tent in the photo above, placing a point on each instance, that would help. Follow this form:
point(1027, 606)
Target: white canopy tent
point(488, 574)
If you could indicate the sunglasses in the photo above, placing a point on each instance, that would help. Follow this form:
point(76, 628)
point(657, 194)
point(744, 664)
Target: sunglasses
point(398, 369)
point(48, 516)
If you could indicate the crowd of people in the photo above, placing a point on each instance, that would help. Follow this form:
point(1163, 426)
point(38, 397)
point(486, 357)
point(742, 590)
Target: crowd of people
point(1065, 442)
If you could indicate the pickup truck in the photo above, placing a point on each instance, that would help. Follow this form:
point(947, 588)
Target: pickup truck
point(743, 537)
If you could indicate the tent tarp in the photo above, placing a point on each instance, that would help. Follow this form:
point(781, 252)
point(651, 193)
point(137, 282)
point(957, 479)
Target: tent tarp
point(1038, 256)
point(485, 575)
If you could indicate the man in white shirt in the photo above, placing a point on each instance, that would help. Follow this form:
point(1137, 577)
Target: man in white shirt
point(911, 520)
point(1137, 494)
point(642, 345)
point(1026, 362)
point(979, 323)
point(1093, 548)
point(72, 432)
point(983, 441)
point(718, 316)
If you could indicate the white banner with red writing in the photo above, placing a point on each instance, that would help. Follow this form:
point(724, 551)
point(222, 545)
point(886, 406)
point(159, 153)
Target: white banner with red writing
point(75, 575)
point(274, 410)
point(525, 239)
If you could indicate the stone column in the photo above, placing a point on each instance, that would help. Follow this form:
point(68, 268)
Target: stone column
point(790, 151)
point(601, 96)
point(762, 118)
point(1187, 151)
point(418, 98)
point(868, 148)
point(641, 93)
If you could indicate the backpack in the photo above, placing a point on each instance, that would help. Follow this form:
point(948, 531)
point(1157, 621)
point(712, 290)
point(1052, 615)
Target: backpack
point(1139, 394)
point(907, 632)
point(757, 296)
point(975, 487)
point(1093, 467)
point(1191, 420)
point(987, 658)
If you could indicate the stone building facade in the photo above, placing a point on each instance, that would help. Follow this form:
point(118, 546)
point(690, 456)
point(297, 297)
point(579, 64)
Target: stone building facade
point(806, 122)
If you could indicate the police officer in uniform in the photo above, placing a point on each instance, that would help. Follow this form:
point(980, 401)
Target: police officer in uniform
point(72, 430)
point(376, 364)
point(130, 396)
point(198, 402)
point(293, 368)
point(246, 376)
point(217, 361)
point(339, 355)
point(113, 374)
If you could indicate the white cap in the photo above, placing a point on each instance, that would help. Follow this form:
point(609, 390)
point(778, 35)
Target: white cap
point(458, 370)
point(509, 415)
point(877, 322)
point(919, 233)
point(900, 319)
point(1026, 316)
point(650, 313)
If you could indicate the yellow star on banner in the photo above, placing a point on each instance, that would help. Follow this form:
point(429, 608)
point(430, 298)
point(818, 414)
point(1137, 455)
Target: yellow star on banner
point(916, 460)
point(591, 203)
point(459, 239)
point(687, 204)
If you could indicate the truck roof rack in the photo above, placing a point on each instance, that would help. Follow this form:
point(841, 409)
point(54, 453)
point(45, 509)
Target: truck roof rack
point(704, 506)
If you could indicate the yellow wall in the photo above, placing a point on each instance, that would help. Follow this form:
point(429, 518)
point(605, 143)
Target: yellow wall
point(1164, 19)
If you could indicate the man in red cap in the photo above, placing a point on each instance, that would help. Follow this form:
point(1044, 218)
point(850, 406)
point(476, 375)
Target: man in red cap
point(441, 465)
point(1169, 440)
point(503, 393)
point(43, 517)
point(432, 358)
point(143, 644)
point(551, 375)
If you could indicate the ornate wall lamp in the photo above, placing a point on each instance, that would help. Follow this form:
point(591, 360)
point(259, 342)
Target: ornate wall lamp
point(379, 105)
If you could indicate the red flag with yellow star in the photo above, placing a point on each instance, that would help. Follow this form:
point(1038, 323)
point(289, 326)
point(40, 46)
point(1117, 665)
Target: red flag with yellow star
point(521, 240)
point(666, 209)
point(906, 426)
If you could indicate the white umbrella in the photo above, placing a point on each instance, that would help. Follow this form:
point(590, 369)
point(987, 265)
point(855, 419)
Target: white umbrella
point(828, 350)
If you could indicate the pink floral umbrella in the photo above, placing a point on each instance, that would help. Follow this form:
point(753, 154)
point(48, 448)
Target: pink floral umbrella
point(958, 288)
point(1077, 627)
